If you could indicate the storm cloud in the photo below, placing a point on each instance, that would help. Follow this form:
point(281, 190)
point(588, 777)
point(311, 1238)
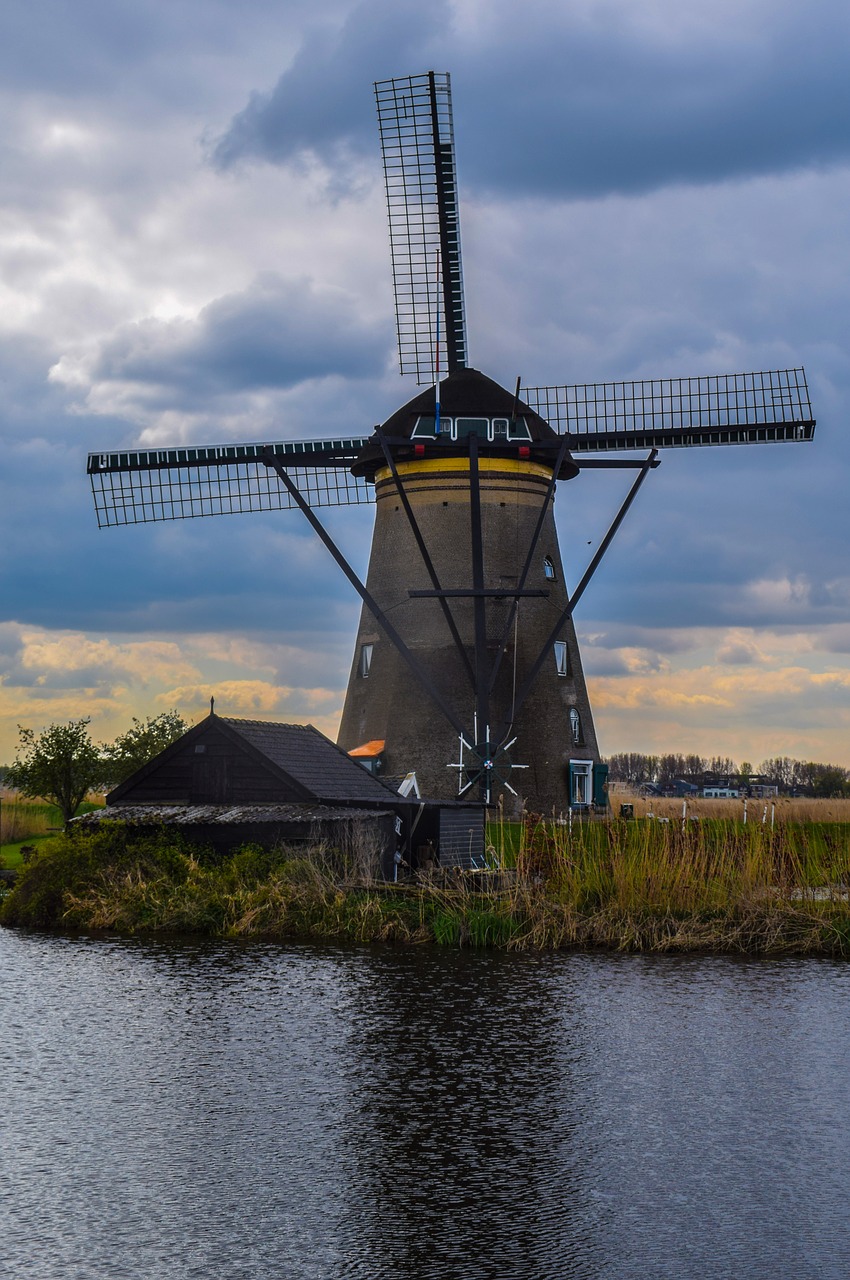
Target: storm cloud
point(583, 100)
point(193, 249)
point(274, 334)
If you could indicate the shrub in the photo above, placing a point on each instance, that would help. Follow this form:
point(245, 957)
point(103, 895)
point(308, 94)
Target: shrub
point(73, 863)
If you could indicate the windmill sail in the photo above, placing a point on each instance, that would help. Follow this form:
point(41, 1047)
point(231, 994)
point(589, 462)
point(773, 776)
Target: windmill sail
point(417, 144)
point(662, 413)
point(143, 485)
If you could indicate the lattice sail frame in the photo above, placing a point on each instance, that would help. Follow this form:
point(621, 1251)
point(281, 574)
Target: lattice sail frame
point(417, 145)
point(737, 408)
point(143, 486)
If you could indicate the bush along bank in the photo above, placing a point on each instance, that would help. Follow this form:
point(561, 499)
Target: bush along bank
point(620, 885)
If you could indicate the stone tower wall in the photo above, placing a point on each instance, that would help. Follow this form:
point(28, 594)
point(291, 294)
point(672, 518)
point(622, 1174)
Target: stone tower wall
point(390, 705)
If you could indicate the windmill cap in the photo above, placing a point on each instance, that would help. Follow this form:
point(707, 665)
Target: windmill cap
point(466, 393)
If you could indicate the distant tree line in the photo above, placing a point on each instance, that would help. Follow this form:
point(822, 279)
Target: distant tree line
point(62, 764)
point(803, 776)
point(632, 767)
point(807, 776)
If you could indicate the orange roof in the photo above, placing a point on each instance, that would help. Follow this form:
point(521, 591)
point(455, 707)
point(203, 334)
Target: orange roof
point(369, 749)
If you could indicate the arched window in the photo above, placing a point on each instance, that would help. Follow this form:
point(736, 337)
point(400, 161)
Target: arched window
point(575, 725)
point(549, 568)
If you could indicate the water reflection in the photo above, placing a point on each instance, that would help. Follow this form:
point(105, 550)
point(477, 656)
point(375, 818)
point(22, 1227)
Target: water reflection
point(458, 1058)
point(189, 1110)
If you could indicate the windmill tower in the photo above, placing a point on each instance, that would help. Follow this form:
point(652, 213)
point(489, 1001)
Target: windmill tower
point(466, 667)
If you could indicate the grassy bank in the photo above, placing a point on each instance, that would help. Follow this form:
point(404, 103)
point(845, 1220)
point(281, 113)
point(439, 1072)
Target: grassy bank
point(24, 822)
point(648, 886)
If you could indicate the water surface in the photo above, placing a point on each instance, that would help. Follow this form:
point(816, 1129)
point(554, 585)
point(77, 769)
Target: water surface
point(206, 1110)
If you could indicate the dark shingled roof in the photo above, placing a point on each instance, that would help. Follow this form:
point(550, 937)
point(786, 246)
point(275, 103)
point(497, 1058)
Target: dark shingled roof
point(312, 760)
point(465, 393)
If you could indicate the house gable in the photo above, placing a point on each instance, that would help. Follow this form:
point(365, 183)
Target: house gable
point(210, 765)
point(225, 761)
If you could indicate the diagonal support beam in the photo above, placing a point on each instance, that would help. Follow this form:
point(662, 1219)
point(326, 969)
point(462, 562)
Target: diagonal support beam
point(532, 548)
point(380, 617)
point(482, 683)
point(426, 557)
point(648, 464)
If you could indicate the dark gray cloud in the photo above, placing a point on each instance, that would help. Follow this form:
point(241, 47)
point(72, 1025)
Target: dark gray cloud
point(322, 103)
point(58, 570)
point(551, 102)
point(718, 537)
point(274, 334)
point(544, 104)
point(94, 47)
point(602, 662)
point(75, 47)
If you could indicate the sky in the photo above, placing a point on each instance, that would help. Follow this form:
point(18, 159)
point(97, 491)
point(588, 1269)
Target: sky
point(193, 249)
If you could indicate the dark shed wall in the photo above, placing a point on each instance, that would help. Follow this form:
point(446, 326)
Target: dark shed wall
point(367, 842)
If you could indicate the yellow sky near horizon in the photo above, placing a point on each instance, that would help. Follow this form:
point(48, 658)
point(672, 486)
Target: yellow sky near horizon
point(765, 696)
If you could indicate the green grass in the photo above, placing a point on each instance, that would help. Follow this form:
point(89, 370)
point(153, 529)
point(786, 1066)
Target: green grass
point(506, 839)
point(10, 854)
point(22, 820)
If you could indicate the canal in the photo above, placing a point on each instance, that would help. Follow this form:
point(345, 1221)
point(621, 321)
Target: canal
point(224, 1112)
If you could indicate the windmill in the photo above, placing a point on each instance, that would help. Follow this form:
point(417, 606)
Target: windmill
point(466, 667)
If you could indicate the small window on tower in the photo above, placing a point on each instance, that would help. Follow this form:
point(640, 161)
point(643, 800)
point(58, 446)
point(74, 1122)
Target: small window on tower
point(549, 568)
point(575, 725)
point(561, 657)
point(365, 659)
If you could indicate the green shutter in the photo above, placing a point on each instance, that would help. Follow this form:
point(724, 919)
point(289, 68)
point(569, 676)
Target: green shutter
point(600, 785)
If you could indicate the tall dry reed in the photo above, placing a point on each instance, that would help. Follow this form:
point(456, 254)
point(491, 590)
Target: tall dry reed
point(21, 819)
point(774, 809)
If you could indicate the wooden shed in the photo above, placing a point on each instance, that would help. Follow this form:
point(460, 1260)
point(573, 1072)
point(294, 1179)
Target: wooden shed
point(228, 782)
